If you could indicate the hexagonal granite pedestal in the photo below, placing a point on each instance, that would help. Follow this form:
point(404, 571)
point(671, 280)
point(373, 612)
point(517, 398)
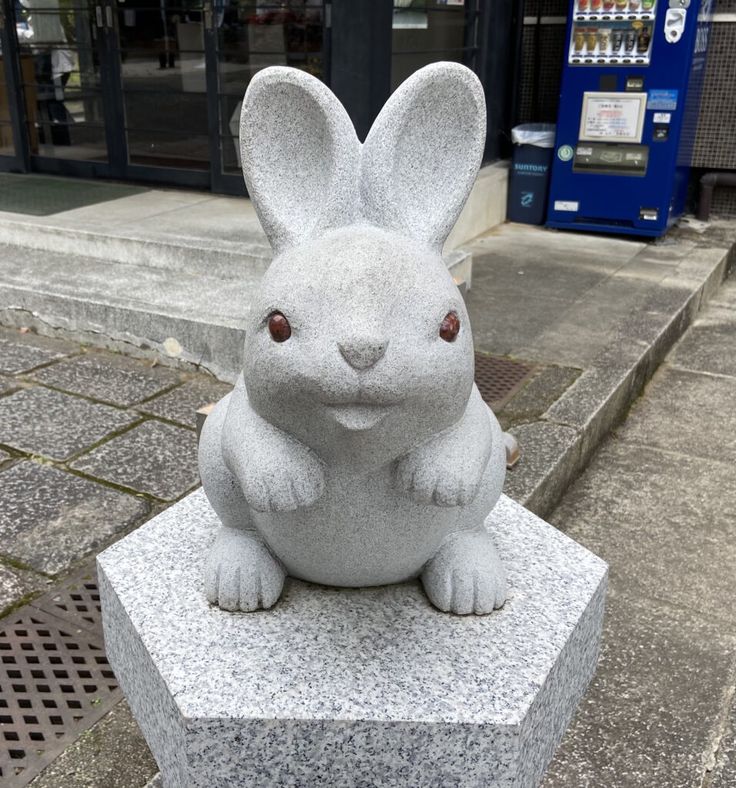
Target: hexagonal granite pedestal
point(350, 687)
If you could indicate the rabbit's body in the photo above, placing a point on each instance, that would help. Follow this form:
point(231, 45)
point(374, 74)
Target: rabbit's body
point(364, 529)
point(355, 449)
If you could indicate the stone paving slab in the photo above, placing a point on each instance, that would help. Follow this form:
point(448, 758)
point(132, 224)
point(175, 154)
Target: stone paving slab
point(155, 458)
point(686, 412)
point(181, 404)
point(17, 584)
point(709, 346)
point(22, 352)
point(7, 385)
point(50, 519)
point(653, 706)
point(537, 396)
point(723, 771)
point(111, 754)
point(56, 425)
point(665, 523)
point(107, 377)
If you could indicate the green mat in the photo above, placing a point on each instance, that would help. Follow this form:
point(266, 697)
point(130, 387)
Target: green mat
point(38, 195)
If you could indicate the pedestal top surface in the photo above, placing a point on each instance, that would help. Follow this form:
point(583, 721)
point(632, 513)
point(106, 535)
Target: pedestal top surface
point(381, 654)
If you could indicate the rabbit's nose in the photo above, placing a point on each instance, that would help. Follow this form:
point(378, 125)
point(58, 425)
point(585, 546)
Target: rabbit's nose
point(362, 354)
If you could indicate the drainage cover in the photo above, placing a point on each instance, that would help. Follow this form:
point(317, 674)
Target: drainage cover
point(55, 681)
point(76, 600)
point(499, 378)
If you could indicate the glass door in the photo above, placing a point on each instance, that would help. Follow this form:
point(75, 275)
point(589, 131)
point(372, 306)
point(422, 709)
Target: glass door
point(159, 51)
point(248, 35)
point(62, 47)
point(148, 90)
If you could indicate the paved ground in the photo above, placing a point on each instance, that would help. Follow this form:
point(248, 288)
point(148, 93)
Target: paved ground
point(91, 445)
point(659, 503)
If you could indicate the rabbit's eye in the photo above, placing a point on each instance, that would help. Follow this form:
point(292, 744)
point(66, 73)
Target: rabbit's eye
point(278, 327)
point(450, 327)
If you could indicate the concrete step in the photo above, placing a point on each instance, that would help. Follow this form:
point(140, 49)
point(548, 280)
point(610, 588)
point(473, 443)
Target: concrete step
point(136, 245)
point(186, 318)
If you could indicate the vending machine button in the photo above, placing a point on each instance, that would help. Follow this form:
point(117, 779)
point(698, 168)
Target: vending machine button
point(661, 133)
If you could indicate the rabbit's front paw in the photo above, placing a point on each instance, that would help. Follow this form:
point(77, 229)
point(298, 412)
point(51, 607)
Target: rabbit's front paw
point(431, 477)
point(283, 481)
point(466, 575)
point(241, 574)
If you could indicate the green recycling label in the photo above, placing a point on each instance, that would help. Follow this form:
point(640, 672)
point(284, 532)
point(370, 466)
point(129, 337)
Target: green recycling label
point(565, 152)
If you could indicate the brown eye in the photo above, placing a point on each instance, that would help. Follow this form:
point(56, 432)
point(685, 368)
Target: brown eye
point(450, 327)
point(279, 327)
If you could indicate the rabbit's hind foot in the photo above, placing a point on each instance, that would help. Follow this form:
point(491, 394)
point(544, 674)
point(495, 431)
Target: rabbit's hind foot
point(466, 575)
point(240, 572)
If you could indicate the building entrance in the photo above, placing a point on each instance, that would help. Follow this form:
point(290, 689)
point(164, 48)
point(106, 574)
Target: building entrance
point(150, 90)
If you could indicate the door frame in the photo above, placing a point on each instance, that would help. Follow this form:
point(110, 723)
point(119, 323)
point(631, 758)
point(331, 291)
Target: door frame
point(20, 160)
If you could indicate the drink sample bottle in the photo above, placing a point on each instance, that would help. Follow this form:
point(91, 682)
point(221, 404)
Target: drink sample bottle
point(642, 41)
point(603, 42)
point(582, 5)
point(591, 39)
point(579, 41)
point(616, 40)
point(630, 41)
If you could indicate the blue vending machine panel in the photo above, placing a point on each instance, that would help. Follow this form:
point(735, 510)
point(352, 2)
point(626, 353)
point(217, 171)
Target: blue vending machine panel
point(628, 114)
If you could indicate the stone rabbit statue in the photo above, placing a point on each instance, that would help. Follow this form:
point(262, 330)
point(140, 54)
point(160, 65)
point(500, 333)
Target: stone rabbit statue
point(355, 450)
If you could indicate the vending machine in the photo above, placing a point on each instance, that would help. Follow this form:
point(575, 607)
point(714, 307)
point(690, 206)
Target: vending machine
point(628, 114)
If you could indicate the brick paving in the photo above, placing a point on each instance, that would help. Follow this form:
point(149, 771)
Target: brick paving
point(91, 445)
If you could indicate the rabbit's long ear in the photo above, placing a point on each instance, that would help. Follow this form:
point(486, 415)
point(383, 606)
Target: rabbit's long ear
point(300, 156)
point(423, 153)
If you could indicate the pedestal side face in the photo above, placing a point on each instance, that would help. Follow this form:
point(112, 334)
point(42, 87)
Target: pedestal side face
point(150, 700)
point(336, 671)
point(554, 706)
point(365, 753)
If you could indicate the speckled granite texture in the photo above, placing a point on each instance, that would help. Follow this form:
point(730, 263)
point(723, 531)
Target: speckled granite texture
point(355, 449)
point(360, 687)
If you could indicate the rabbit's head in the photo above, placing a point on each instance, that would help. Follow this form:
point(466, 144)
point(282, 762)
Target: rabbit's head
point(358, 328)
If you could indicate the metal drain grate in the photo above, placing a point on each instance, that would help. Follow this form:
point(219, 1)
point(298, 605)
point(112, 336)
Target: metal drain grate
point(77, 600)
point(498, 378)
point(55, 681)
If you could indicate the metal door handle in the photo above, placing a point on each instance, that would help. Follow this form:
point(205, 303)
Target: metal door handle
point(108, 14)
point(98, 15)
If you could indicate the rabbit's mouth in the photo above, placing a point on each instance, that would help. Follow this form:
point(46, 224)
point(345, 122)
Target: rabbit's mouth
point(357, 416)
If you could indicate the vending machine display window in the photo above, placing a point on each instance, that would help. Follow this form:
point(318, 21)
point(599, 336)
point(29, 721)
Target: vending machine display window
point(612, 31)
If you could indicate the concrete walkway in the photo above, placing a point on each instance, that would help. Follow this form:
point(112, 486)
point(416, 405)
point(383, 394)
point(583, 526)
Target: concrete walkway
point(659, 503)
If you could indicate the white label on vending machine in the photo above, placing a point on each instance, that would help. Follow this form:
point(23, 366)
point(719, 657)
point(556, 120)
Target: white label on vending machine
point(567, 205)
point(612, 117)
point(662, 117)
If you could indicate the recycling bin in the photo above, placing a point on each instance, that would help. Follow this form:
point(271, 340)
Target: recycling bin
point(530, 172)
